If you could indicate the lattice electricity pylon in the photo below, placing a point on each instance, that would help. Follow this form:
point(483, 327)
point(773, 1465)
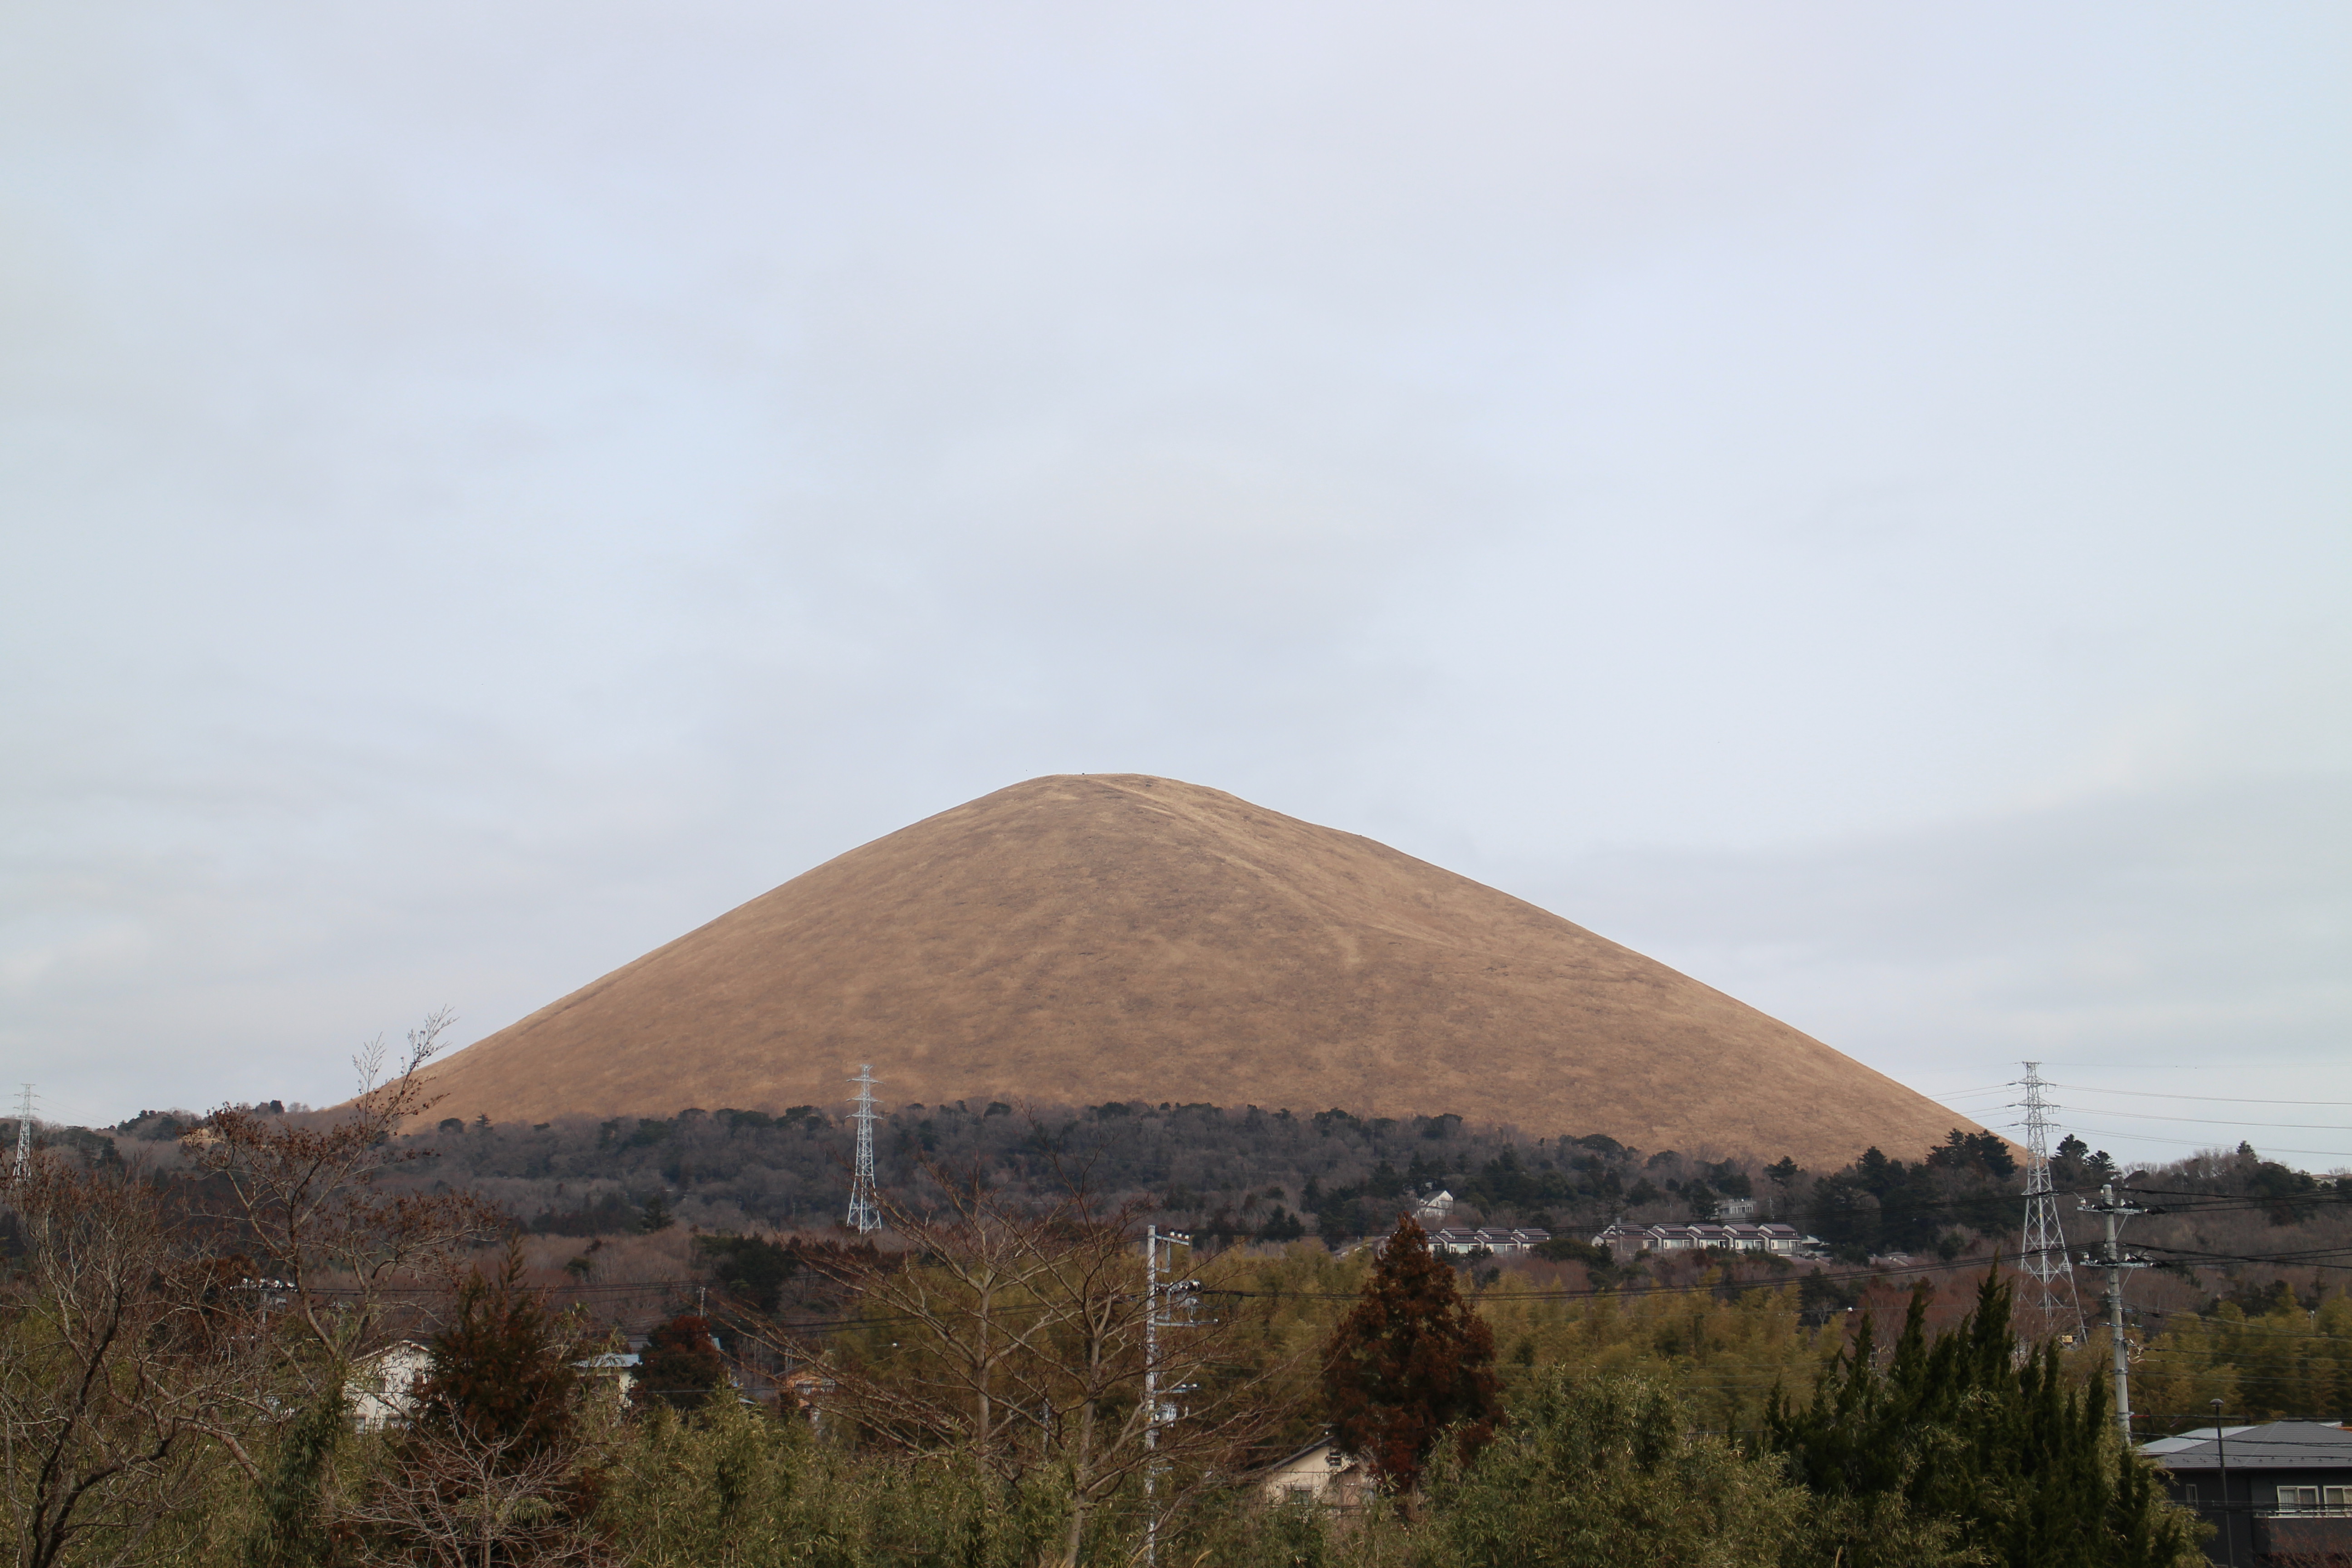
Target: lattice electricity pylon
point(24, 1133)
point(865, 1202)
point(2045, 1308)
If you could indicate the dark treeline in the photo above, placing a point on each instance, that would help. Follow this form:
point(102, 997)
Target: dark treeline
point(1250, 1174)
point(2226, 1249)
point(1229, 1174)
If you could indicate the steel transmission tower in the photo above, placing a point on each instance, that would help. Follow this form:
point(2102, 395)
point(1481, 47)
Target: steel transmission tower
point(23, 1133)
point(865, 1206)
point(2044, 1308)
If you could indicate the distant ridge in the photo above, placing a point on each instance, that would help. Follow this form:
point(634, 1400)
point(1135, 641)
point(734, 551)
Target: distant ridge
point(1084, 938)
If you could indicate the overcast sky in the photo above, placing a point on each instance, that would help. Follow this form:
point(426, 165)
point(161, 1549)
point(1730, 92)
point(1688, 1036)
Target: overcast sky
point(1851, 501)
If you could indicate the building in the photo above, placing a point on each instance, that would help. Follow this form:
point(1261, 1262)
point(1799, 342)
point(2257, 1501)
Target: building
point(614, 1370)
point(382, 1387)
point(1320, 1473)
point(2278, 1493)
point(1500, 1243)
point(1432, 1209)
point(1780, 1240)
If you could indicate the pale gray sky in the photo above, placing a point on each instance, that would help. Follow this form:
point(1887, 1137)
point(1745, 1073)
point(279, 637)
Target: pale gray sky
point(1852, 500)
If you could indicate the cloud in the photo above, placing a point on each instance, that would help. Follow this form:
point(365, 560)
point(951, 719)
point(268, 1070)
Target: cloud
point(482, 492)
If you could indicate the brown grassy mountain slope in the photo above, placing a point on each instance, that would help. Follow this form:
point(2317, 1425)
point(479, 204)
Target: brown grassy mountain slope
point(1086, 938)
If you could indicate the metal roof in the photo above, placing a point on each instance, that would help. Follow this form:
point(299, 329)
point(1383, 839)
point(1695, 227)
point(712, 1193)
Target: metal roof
point(2272, 1445)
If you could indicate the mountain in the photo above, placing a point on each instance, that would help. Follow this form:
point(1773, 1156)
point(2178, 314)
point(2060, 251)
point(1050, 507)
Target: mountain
point(1084, 937)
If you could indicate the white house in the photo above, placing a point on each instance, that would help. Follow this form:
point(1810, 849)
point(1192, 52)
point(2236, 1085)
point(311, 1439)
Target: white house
point(1319, 1473)
point(382, 1387)
point(617, 1368)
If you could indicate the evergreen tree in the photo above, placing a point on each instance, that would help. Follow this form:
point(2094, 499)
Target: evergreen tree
point(680, 1367)
point(1978, 1441)
point(1409, 1360)
point(491, 1470)
point(502, 1369)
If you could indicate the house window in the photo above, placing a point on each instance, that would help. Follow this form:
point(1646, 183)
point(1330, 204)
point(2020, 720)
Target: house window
point(2188, 1495)
point(2336, 1496)
point(2292, 1498)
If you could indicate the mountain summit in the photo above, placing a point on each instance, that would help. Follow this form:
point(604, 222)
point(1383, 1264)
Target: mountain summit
point(1094, 937)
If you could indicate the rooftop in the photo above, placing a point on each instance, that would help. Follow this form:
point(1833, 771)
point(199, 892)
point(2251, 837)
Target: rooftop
point(2272, 1445)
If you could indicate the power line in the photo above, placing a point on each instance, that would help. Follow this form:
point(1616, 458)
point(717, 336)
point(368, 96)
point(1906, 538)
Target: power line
point(2209, 1098)
point(2319, 1193)
point(2218, 1121)
point(2203, 1143)
point(2283, 1262)
point(2241, 1326)
point(2301, 1255)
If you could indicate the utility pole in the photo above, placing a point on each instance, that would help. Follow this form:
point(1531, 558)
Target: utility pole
point(2043, 1256)
point(2221, 1460)
point(2115, 1261)
point(23, 1133)
point(1155, 1295)
point(865, 1204)
point(1151, 1394)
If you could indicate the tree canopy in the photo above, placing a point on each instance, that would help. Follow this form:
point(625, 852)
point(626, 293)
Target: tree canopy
point(1410, 1361)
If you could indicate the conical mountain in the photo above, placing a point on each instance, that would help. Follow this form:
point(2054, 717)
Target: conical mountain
point(1086, 938)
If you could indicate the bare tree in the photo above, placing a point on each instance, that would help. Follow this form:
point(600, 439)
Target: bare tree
point(1014, 1328)
point(461, 1495)
point(1096, 1344)
point(118, 1355)
point(336, 1247)
point(969, 1286)
point(339, 1257)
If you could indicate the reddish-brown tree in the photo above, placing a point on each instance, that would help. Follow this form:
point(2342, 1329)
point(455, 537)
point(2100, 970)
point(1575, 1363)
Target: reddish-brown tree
point(493, 1466)
point(503, 1366)
point(679, 1366)
point(1410, 1361)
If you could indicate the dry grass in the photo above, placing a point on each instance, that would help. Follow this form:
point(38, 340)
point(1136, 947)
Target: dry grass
point(1084, 938)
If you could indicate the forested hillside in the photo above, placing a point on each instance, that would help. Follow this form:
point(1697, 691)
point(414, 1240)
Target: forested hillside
point(1230, 1174)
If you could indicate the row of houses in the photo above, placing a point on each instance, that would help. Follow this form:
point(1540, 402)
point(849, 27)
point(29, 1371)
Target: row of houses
point(1625, 1240)
point(1781, 1239)
point(1732, 1233)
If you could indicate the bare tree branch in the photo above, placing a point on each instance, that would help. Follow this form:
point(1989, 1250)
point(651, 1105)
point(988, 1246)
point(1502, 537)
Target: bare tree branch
point(117, 1355)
